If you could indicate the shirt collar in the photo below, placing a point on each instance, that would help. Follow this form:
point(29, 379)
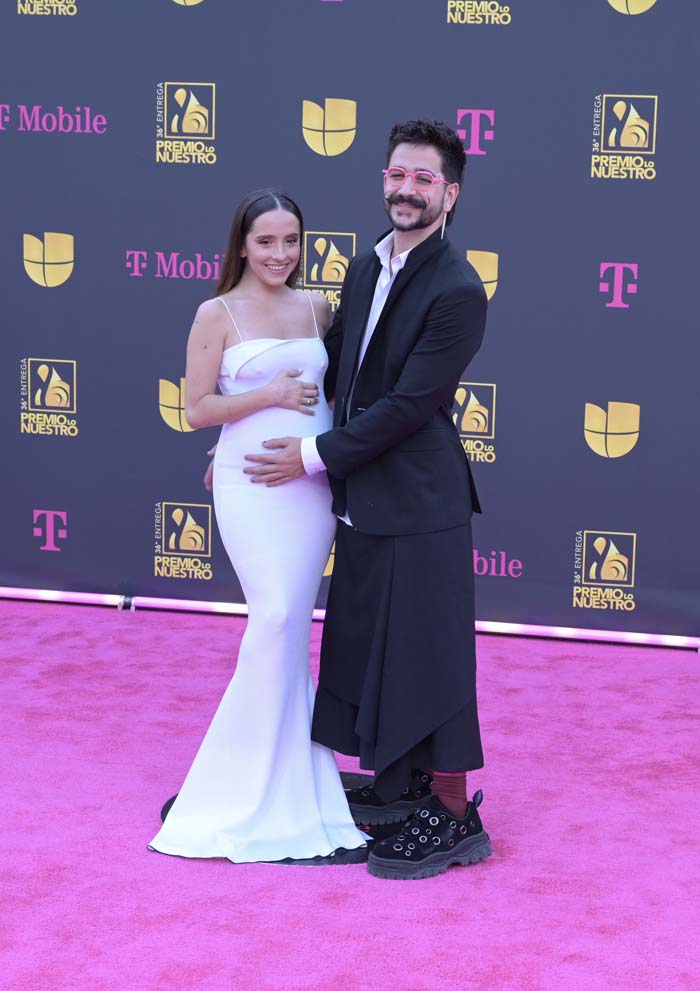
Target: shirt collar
point(383, 251)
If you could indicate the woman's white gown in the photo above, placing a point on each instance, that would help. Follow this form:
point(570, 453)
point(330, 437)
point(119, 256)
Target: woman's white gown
point(259, 789)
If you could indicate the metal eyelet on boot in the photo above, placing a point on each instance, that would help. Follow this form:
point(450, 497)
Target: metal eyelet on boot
point(436, 840)
point(453, 824)
point(411, 846)
point(422, 839)
point(397, 846)
point(463, 830)
point(433, 820)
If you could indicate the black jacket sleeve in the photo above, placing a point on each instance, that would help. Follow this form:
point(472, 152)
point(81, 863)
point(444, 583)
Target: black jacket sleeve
point(449, 340)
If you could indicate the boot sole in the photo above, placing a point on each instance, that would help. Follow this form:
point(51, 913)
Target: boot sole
point(474, 849)
point(395, 812)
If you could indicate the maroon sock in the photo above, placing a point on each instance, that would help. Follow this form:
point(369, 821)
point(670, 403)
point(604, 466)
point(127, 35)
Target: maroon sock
point(451, 789)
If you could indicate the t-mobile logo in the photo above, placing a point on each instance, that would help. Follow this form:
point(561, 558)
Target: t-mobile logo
point(475, 133)
point(620, 283)
point(48, 529)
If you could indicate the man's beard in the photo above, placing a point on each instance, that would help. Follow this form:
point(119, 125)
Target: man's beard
point(425, 218)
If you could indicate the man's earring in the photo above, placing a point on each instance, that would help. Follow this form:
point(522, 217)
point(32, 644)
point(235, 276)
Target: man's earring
point(444, 221)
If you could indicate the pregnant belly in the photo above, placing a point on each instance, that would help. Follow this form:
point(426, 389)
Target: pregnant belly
point(246, 436)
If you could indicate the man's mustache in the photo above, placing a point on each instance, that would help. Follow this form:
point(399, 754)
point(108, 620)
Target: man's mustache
point(395, 199)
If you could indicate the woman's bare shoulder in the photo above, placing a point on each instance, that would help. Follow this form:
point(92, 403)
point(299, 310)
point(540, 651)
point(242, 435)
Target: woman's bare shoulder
point(210, 309)
point(209, 326)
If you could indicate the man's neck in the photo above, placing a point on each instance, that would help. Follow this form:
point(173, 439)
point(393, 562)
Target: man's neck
point(405, 240)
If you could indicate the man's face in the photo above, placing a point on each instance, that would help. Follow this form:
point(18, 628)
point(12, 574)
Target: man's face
point(409, 208)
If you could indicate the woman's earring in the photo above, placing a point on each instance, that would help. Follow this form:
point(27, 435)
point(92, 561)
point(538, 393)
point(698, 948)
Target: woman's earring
point(444, 221)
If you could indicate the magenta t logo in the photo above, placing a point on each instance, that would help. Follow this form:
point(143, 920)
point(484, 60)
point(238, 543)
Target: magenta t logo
point(48, 531)
point(476, 135)
point(619, 283)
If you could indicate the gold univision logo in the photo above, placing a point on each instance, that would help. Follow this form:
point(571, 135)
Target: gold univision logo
point(190, 110)
point(187, 529)
point(631, 6)
point(50, 262)
point(188, 3)
point(171, 403)
point(329, 130)
point(52, 385)
point(612, 433)
point(486, 265)
point(327, 257)
point(609, 558)
point(629, 124)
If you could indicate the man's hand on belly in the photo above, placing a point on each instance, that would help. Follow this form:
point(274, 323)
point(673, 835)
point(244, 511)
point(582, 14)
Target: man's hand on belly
point(284, 465)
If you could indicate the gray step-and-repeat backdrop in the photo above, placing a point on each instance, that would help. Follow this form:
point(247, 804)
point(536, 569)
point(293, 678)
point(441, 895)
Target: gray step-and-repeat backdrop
point(130, 130)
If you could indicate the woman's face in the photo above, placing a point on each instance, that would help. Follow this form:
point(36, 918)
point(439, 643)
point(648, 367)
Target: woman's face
point(272, 247)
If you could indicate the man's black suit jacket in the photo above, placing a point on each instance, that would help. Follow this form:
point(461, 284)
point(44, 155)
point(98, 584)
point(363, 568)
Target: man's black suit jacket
point(394, 457)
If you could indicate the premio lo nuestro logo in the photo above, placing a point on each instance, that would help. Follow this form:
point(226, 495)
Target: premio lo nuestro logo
point(49, 262)
point(48, 397)
point(40, 8)
point(486, 265)
point(474, 415)
point(604, 570)
point(182, 545)
point(489, 12)
point(186, 123)
point(631, 6)
point(327, 257)
point(624, 136)
point(171, 404)
point(329, 129)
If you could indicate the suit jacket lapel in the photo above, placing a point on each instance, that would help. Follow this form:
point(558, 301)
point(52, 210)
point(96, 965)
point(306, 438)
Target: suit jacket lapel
point(364, 289)
point(365, 283)
point(415, 261)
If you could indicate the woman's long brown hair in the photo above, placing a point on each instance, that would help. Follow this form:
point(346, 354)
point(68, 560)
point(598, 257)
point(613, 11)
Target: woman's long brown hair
point(249, 209)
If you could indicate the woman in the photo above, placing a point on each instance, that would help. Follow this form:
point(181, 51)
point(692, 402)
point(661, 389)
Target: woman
point(259, 789)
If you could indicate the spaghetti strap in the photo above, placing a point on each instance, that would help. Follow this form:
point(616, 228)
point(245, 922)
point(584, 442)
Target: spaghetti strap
point(222, 300)
point(313, 312)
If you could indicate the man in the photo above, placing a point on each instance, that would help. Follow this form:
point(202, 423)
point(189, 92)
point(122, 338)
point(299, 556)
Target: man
point(397, 677)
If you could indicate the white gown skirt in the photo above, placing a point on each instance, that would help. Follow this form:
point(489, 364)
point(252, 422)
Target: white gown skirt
point(259, 789)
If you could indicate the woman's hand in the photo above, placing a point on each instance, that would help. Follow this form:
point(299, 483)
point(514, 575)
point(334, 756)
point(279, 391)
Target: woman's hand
point(290, 392)
point(209, 473)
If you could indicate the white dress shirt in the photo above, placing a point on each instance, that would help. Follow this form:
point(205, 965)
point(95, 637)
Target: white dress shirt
point(389, 270)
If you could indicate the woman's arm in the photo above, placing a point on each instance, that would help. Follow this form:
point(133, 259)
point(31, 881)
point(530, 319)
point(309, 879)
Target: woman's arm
point(204, 407)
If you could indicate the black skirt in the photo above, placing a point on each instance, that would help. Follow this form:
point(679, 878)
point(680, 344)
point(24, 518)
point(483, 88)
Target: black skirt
point(397, 684)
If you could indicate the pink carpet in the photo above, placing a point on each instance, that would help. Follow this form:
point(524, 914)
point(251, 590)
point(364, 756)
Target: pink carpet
point(591, 800)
